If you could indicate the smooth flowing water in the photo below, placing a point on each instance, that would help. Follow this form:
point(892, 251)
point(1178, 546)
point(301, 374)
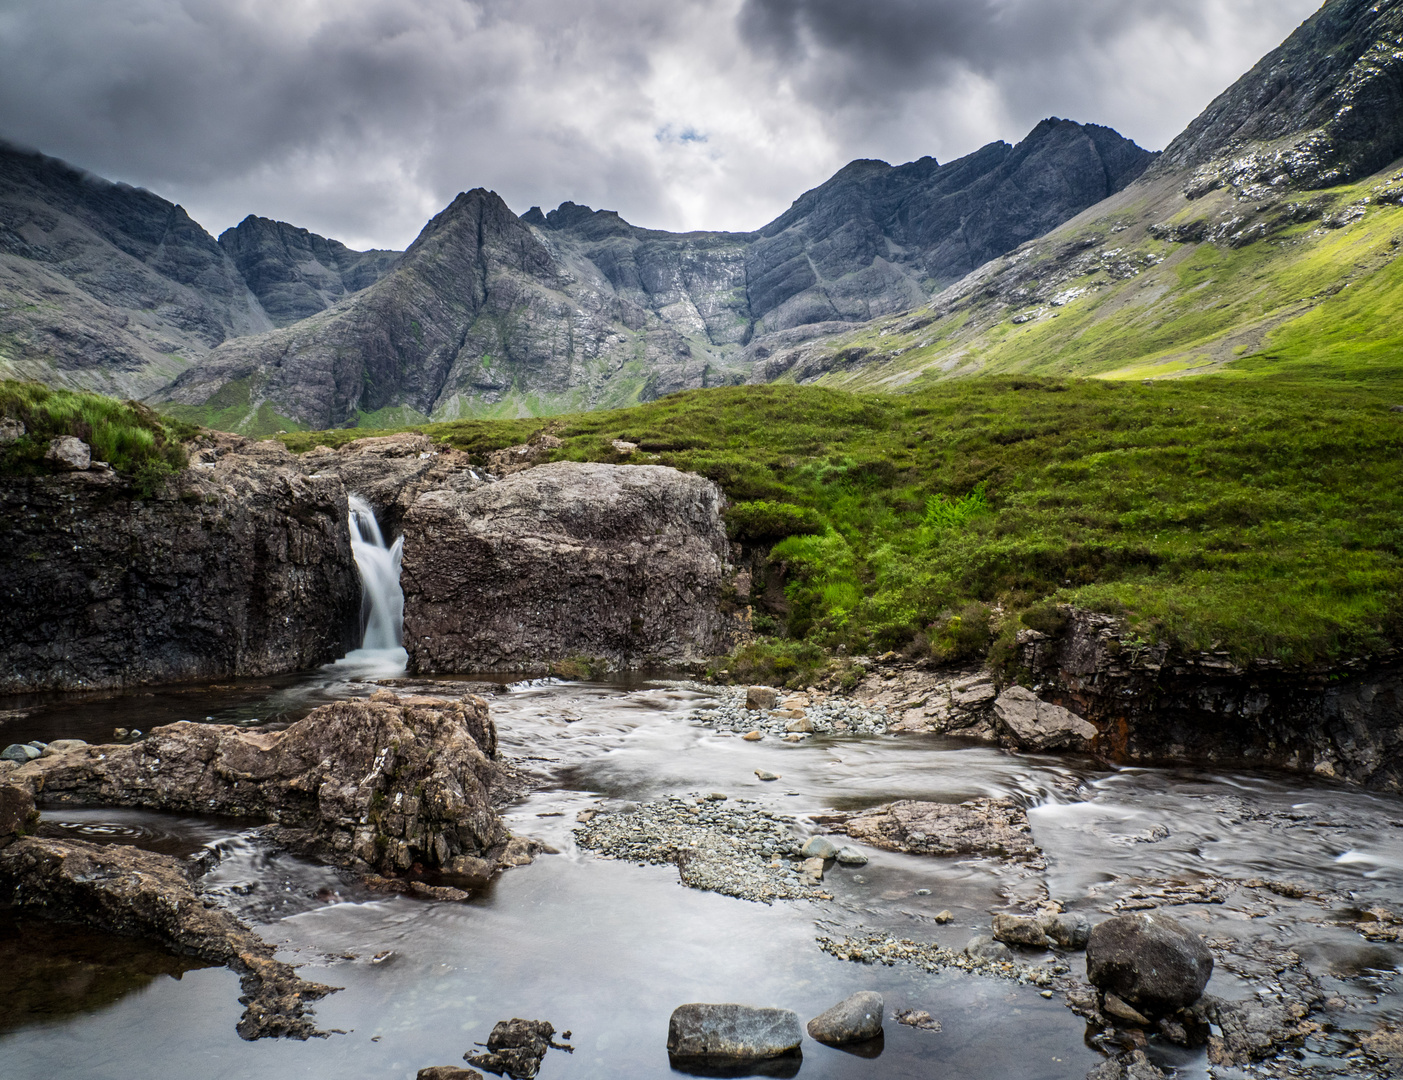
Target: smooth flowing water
point(382, 599)
point(607, 949)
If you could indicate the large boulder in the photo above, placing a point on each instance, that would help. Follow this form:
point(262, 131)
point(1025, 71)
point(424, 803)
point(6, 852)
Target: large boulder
point(854, 1019)
point(240, 565)
point(731, 1034)
point(1149, 960)
point(384, 783)
point(621, 564)
point(1035, 724)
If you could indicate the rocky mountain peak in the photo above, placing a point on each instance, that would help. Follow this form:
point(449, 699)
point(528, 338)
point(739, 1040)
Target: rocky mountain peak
point(1324, 108)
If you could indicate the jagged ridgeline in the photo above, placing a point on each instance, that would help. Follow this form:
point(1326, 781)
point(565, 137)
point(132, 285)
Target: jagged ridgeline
point(488, 313)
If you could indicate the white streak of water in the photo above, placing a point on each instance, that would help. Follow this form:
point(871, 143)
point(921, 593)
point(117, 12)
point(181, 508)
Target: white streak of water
point(382, 599)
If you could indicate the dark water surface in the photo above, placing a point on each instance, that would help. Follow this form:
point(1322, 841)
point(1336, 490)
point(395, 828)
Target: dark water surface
point(607, 949)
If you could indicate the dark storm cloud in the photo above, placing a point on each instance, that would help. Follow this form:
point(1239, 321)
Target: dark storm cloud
point(360, 118)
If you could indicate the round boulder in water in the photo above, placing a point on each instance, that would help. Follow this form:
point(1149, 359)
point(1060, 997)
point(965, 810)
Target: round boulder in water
point(1148, 960)
point(854, 1019)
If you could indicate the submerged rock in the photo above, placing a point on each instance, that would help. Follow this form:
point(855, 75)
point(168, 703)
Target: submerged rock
point(977, 827)
point(1149, 960)
point(124, 890)
point(854, 1019)
point(731, 1034)
point(622, 564)
point(383, 783)
point(447, 1072)
point(1038, 725)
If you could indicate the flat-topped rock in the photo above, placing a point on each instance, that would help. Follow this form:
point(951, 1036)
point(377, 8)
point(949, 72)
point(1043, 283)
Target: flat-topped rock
point(977, 827)
point(731, 1034)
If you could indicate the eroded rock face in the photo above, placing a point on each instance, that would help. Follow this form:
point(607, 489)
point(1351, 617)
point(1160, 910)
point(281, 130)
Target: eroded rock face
point(624, 564)
point(125, 890)
point(1149, 960)
point(385, 783)
point(731, 1034)
point(1039, 725)
point(976, 827)
point(241, 565)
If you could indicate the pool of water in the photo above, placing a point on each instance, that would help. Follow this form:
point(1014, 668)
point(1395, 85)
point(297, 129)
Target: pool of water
point(607, 949)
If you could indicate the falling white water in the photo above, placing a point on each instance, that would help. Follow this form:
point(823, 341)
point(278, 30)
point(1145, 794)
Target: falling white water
point(382, 599)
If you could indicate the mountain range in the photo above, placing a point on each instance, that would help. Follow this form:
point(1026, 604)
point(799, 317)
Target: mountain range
point(1073, 251)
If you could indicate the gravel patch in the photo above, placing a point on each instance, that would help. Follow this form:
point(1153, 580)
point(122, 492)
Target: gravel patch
point(729, 846)
point(828, 716)
point(885, 949)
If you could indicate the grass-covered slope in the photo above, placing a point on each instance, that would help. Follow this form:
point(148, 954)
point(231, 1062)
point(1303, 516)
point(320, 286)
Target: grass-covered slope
point(1263, 517)
point(1152, 284)
point(127, 435)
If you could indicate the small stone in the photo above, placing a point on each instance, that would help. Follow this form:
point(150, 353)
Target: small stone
point(753, 736)
point(1122, 1011)
point(69, 454)
point(945, 917)
point(1045, 994)
point(120, 733)
point(731, 1034)
point(917, 1018)
point(62, 746)
point(812, 870)
point(717, 796)
point(19, 752)
point(986, 948)
point(10, 430)
point(819, 847)
point(763, 775)
point(760, 697)
point(851, 856)
point(854, 1019)
point(922, 892)
point(803, 725)
point(624, 447)
point(1020, 930)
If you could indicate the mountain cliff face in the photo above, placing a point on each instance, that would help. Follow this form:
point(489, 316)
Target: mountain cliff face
point(578, 309)
point(295, 273)
point(106, 286)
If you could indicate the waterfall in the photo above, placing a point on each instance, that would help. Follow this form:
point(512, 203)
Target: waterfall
point(382, 599)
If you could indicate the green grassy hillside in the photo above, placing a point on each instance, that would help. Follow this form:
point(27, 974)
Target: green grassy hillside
point(1263, 517)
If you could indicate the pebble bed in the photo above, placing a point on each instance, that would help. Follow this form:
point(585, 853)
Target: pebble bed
point(722, 845)
point(831, 716)
point(885, 949)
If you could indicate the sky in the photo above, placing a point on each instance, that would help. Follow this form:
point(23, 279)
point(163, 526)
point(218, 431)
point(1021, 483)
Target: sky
point(360, 119)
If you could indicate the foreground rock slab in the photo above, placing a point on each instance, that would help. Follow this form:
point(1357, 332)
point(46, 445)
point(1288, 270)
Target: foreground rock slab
point(731, 1034)
point(854, 1019)
point(1149, 960)
point(977, 827)
point(384, 783)
point(620, 564)
point(124, 890)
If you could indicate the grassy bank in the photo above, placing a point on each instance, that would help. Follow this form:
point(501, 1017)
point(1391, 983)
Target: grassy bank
point(127, 435)
point(1259, 516)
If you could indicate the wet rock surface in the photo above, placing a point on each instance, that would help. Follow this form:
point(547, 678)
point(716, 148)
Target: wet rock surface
point(854, 1019)
point(731, 1034)
point(383, 783)
point(1149, 960)
point(1034, 724)
point(127, 891)
point(623, 565)
point(994, 827)
point(516, 1048)
point(240, 565)
point(730, 847)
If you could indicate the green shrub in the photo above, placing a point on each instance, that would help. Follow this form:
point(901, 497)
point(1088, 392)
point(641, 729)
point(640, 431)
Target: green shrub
point(763, 521)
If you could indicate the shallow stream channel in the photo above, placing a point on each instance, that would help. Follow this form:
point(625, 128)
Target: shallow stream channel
point(1279, 873)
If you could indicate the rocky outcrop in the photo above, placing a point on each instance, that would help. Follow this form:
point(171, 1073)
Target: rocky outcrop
point(620, 564)
point(381, 784)
point(124, 890)
point(240, 565)
point(1154, 704)
point(976, 827)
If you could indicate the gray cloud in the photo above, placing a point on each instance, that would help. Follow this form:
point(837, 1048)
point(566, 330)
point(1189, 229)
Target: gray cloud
point(361, 118)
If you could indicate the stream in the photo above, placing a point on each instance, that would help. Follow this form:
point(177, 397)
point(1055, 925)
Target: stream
point(606, 949)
